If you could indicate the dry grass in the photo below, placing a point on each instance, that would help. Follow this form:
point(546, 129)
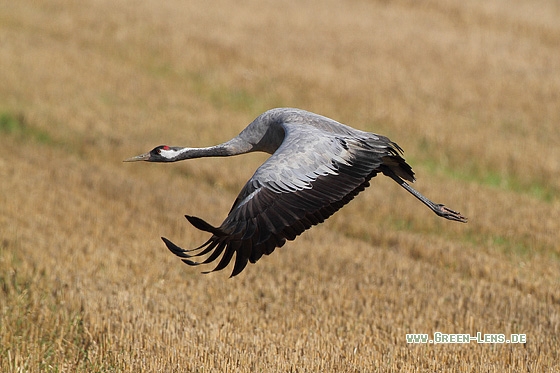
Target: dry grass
point(469, 90)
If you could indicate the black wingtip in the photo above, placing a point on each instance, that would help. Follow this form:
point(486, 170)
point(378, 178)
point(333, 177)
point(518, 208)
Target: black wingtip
point(190, 262)
point(181, 253)
point(174, 248)
point(198, 223)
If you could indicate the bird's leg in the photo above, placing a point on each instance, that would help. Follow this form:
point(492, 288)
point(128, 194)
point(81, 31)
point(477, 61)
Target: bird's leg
point(438, 208)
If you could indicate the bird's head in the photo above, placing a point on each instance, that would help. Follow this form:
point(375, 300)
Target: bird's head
point(162, 153)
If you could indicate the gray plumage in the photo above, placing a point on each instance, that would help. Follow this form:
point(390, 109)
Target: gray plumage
point(317, 166)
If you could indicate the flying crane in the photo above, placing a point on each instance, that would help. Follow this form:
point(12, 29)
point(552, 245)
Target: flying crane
point(317, 165)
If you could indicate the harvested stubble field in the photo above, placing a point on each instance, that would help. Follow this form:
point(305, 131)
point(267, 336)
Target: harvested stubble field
point(470, 90)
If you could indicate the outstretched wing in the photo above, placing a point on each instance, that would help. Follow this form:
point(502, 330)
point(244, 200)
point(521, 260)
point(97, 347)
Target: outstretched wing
point(311, 175)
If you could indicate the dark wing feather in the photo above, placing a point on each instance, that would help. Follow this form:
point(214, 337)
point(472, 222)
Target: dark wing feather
point(309, 178)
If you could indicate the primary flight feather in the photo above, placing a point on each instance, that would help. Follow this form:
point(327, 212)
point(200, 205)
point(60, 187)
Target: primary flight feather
point(317, 166)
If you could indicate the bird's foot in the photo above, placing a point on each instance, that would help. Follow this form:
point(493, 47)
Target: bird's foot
point(449, 214)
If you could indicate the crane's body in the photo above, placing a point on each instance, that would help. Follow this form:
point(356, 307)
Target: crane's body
point(317, 165)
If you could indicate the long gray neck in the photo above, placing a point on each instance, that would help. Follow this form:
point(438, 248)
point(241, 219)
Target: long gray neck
point(234, 146)
point(264, 134)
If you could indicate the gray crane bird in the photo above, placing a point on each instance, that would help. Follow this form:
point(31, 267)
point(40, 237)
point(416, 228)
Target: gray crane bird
point(317, 165)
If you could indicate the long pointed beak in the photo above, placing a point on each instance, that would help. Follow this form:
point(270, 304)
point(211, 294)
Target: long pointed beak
point(141, 157)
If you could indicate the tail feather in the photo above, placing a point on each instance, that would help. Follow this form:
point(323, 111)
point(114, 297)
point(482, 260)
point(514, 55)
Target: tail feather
point(399, 167)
